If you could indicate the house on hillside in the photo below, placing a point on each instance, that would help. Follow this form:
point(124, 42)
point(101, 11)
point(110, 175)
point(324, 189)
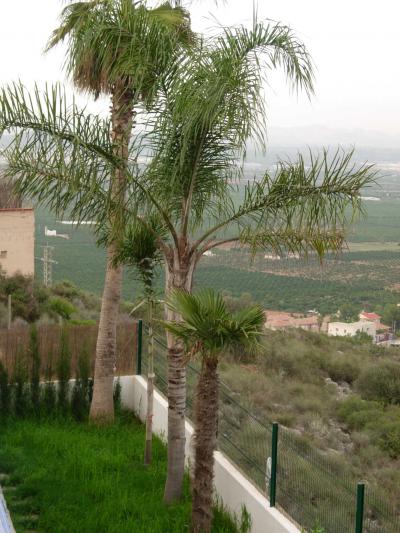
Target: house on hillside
point(17, 235)
point(370, 317)
point(280, 320)
point(346, 329)
point(383, 333)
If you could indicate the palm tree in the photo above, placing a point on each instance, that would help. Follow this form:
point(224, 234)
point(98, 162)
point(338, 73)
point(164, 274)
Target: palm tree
point(211, 108)
point(208, 331)
point(139, 251)
point(122, 49)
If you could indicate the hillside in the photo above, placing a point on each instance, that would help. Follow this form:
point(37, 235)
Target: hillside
point(332, 395)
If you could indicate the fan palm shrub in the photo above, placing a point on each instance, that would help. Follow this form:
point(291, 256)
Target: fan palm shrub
point(207, 331)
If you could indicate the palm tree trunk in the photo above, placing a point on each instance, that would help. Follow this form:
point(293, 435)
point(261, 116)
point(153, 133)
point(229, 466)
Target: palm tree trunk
point(178, 276)
point(206, 422)
point(102, 407)
point(148, 451)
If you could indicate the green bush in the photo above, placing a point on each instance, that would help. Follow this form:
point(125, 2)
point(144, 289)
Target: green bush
point(66, 290)
point(34, 357)
point(81, 389)
point(117, 396)
point(389, 439)
point(357, 413)
point(21, 398)
point(5, 392)
point(24, 303)
point(49, 398)
point(62, 307)
point(381, 383)
point(31, 300)
point(342, 368)
point(63, 371)
point(49, 391)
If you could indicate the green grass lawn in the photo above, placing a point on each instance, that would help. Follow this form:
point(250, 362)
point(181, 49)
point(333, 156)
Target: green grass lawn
point(61, 476)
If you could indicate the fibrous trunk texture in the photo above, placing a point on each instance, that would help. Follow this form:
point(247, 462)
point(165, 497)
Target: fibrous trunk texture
point(178, 276)
point(102, 407)
point(206, 422)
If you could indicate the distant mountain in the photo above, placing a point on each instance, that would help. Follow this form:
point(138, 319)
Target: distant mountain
point(325, 135)
point(286, 143)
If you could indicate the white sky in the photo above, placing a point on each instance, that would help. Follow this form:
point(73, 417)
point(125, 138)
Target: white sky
point(355, 45)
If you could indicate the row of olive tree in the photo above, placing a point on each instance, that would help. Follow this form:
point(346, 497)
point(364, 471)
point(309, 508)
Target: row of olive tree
point(200, 102)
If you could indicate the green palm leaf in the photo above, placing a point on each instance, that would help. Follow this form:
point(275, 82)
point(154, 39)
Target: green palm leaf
point(207, 327)
point(109, 40)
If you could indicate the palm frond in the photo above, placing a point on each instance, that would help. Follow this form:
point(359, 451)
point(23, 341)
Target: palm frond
point(304, 205)
point(208, 328)
point(121, 39)
point(57, 154)
point(140, 248)
point(213, 104)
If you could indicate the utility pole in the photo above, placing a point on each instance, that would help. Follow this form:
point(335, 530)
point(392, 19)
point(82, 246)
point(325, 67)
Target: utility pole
point(48, 265)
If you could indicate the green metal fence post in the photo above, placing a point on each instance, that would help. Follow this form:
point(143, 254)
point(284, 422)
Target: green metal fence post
point(274, 464)
point(360, 507)
point(139, 347)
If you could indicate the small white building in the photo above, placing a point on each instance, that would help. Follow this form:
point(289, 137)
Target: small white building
point(344, 329)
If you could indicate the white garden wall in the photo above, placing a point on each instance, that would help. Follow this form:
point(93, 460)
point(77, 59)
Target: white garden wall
point(232, 487)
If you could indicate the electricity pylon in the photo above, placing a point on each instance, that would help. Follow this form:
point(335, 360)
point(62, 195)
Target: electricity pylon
point(48, 263)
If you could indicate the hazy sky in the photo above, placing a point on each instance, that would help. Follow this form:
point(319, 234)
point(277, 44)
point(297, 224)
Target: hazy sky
point(355, 45)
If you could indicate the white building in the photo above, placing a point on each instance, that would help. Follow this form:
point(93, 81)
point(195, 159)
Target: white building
point(344, 329)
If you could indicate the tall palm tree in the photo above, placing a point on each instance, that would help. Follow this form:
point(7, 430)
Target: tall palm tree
point(122, 49)
point(208, 331)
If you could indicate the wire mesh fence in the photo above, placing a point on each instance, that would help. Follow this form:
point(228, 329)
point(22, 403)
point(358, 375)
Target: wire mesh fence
point(314, 489)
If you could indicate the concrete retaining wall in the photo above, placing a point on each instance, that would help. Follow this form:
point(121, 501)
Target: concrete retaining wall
point(234, 489)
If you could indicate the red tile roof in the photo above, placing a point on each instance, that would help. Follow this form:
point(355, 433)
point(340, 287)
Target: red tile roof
point(370, 316)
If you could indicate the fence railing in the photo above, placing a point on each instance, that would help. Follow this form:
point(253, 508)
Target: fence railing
point(315, 490)
point(14, 345)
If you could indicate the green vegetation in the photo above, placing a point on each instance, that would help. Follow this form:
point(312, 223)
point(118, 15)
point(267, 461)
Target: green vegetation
point(208, 330)
point(295, 293)
point(339, 396)
point(20, 392)
point(63, 476)
point(363, 279)
point(382, 222)
point(31, 301)
point(303, 381)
